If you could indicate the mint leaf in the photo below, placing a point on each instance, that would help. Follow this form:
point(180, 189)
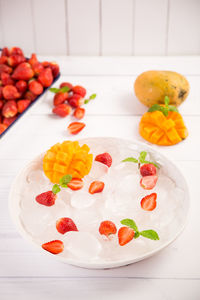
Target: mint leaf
point(54, 90)
point(166, 101)
point(64, 89)
point(142, 156)
point(157, 107)
point(93, 96)
point(56, 189)
point(65, 180)
point(150, 234)
point(137, 234)
point(130, 159)
point(172, 108)
point(130, 223)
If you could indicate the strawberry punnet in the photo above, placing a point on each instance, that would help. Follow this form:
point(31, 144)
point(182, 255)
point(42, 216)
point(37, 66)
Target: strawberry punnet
point(148, 182)
point(55, 247)
point(23, 72)
point(104, 158)
point(96, 187)
point(46, 198)
point(107, 227)
point(64, 225)
point(149, 202)
point(125, 235)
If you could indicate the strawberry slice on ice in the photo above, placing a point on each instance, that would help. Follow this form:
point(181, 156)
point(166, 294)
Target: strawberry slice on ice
point(96, 187)
point(107, 227)
point(149, 202)
point(148, 182)
point(104, 158)
point(75, 127)
point(55, 247)
point(75, 184)
point(46, 198)
point(125, 235)
point(64, 225)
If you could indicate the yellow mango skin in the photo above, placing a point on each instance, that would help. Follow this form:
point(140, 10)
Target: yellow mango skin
point(161, 130)
point(151, 87)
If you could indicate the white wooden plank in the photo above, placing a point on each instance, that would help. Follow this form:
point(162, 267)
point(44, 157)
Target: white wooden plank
point(1, 27)
point(84, 30)
point(184, 29)
point(50, 27)
point(117, 27)
point(17, 24)
point(150, 27)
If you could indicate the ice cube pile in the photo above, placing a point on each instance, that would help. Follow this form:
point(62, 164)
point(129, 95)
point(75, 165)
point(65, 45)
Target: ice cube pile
point(120, 199)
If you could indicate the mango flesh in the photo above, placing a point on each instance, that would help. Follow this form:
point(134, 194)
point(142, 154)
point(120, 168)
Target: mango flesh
point(151, 87)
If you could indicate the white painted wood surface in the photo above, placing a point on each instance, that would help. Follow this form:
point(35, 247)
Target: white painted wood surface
point(101, 27)
point(174, 273)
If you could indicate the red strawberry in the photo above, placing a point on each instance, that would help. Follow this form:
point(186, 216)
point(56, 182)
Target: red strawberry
point(6, 79)
point(10, 92)
point(3, 59)
point(75, 127)
point(107, 228)
point(15, 60)
point(21, 85)
point(79, 90)
point(9, 109)
point(16, 51)
point(96, 187)
point(33, 60)
point(149, 202)
point(1, 104)
point(35, 87)
point(76, 100)
point(79, 113)
point(62, 110)
point(2, 128)
point(148, 182)
point(1, 92)
point(54, 247)
point(5, 68)
point(147, 170)
point(60, 98)
point(104, 158)
point(46, 77)
point(125, 235)
point(69, 85)
point(46, 64)
point(46, 198)
point(5, 52)
point(22, 105)
point(64, 225)
point(30, 96)
point(8, 121)
point(75, 184)
point(54, 68)
point(37, 68)
point(23, 72)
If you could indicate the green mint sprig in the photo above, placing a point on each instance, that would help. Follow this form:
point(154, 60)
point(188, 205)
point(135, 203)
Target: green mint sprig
point(164, 109)
point(149, 234)
point(64, 89)
point(63, 182)
point(141, 159)
point(93, 96)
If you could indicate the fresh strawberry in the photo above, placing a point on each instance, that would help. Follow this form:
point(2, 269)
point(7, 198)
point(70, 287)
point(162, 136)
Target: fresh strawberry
point(46, 64)
point(69, 85)
point(30, 96)
point(9, 109)
point(104, 158)
point(96, 187)
point(33, 60)
point(107, 228)
point(22, 105)
point(62, 110)
point(79, 113)
point(5, 52)
point(55, 247)
point(3, 127)
point(1, 104)
point(149, 202)
point(148, 182)
point(15, 60)
point(37, 68)
point(46, 77)
point(64, 225)
point(76, 100)
point(75, 127)
point(21, 85)
point(125, 235)
point(23, 72)
point(46, 198)
point(35, 87)
point(1, 92)
point(147, 170)
point(79, 90)
point(6, 79)
point(10, 92)
point(60, 98)
point(75, 184)
point(16, 51)
point(5, 68)
point(8, 121)
point(54, 68)
point(3, 60)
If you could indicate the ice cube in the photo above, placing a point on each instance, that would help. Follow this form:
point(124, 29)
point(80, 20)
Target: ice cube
point(87, 219)
point(82, 199)
point(98, 170)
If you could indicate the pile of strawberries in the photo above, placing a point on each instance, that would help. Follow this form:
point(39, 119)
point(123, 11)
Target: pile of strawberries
point(21, 81)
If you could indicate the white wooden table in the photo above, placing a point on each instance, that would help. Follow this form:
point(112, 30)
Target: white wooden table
point(172, 274)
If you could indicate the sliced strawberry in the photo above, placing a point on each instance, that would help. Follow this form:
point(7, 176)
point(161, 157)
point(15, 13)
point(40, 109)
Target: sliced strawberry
point(79, 90)
point(75, 184)
point(148, 182)
point(147, 170)
point(125, 235)
point(46, 198)
point(22, 105)
point(62, 110)
point(64, 225)
point(75, 127)
point(96, 187)
point(107, 228)
point(104, 158)
point(69, 85)
point(149, 202)
point(55, 247)
point(79, 113)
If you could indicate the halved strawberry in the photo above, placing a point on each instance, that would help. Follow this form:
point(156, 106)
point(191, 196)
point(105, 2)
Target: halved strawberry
point(104, 158)
point(148, 182)
point(147, 170)
point(107, 228)
point(46, 198)
point(75, 127)
point(149, 202)
point(64, 225)
point(75, 184)
point(79, 113)
point(125, 235)
point(55, 247)
point(96, 187)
